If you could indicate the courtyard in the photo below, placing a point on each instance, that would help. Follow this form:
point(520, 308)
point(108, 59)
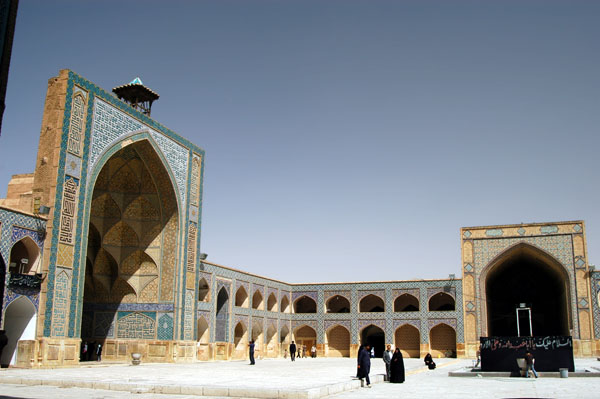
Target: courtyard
point(279, 378)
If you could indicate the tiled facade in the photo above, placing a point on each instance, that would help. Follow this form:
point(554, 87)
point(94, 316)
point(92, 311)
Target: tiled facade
point(122, 264)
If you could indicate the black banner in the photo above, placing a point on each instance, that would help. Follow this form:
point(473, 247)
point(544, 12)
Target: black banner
point(551, 353)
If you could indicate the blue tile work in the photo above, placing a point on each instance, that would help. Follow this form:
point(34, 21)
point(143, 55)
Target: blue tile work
point(106, 122)
point(354, 321)
point(104, 324)
point(595, 281)
point(61, 302)
point(164, 330)
point(15, 225)
point(188, 327)
point(136, 325)
point(559, 246)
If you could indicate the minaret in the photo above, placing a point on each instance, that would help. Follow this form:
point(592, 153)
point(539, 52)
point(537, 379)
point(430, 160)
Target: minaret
point(137, 95)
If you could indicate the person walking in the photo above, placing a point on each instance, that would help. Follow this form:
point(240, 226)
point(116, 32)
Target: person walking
point(530, 360)
point(397, 367)
point(387, 358)
point(293, 351)
point(251, 352)
point(360, 349)
point(313, 352)
point(364, 365)
point(99, 352)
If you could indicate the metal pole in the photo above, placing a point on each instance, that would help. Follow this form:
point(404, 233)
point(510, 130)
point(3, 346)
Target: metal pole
point(518, 326)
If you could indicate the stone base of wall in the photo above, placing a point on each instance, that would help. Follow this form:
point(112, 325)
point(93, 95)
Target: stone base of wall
point(64, 352)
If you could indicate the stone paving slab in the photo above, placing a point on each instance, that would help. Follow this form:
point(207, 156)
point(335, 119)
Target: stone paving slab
point(271, 378)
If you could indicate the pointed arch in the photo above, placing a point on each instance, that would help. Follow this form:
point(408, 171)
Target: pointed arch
point(371, 303)
point(240, 340)
point(241, 297)
point(203, 290)
point(442, 341)
point(20, 324)
point(305, 304)
point(441, 301)
point(406, 303)
point(222, 316)
point(25, 257)
point(203, 330)
point(272, 303)
point(375, 337)
point(257, 300)
point(338, 341)
point(408, 339)
point(337, 304)
point(285, 304)
point(537, 279)
point(284, 334)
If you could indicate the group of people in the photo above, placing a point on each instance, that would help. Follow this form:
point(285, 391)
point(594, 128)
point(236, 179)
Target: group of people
point(300, 351)
point(89, 350)
point(394, 364)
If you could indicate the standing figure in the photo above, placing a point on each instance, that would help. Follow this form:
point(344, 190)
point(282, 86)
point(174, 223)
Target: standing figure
point(293, 351)
point(251, 352)
point(313, 351)
point(397, 367)
point(360, 349)
point(99, 352)
point(387, 358)
point(530, 360)
point(364, 364)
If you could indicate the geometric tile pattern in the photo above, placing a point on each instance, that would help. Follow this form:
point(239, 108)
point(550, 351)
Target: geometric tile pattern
point(136, 325)
point(164, 330)
point(595, 281)
point(188, 329)
point(104, 324)
point(60, 312)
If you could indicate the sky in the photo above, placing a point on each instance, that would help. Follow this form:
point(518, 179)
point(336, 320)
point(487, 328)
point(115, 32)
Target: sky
point(345, 140)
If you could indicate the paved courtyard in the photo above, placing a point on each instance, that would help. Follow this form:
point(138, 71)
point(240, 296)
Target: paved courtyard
point(279, 378)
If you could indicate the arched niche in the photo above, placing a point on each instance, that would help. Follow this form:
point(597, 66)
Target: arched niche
point(257, 333)
point(441, 302)
point(241, 297)
point(203, 331)
point(222, 316)
point(305, 304)
point(132, 235)
point(407, 338)
point(203, 290)
point(285, 304)
point(442, 341)
point(338, 341)
point(537, 280)
point(19, 323)
point(406, 303)
point(240, 339)
point(371, 303)
point(257, 300)
point(337, 304)
point(284, 335)
point(25, 257)
point(272, 303)
point(306, 337)
point(375, 337)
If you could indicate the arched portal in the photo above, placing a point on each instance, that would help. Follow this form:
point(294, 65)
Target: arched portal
point(337, 304)
point(305, 337)
point(305, 304)
point(240, 340)
point(257, 336)
point(441, 301)
point(241, 297)
point(203, 339)
point(407, 338)
point(371, 303)
point(527, 275)
point(203, 290)
point(406, 303)
point(257, 300)
point(338, 342)
point(222, 316)
point(285, 304)
point(25, 257)
point(132, 235)
point(271, 341)
point(442, 341)
point(375, 337)
point(19, 323)
point(272, 303)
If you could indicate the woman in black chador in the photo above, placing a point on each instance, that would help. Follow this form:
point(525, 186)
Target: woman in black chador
point(397, 367)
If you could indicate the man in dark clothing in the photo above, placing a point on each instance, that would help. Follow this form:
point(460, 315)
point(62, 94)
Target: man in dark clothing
point(364, 364)
point(293, 351)
point(251, 350)
point(3, 341)
point(530, 361)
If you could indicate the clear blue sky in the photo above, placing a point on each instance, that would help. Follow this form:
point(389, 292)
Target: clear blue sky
point(345, 140)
